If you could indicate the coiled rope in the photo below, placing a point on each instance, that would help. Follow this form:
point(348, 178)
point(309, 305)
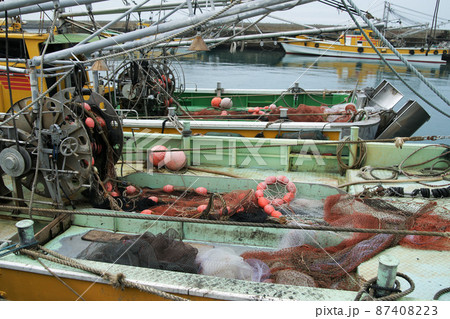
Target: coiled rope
point(369, 288)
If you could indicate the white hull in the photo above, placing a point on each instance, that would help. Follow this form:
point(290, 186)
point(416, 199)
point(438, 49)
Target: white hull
point(299, 49)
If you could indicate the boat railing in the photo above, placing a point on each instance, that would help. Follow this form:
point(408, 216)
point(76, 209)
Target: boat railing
point(123, 113)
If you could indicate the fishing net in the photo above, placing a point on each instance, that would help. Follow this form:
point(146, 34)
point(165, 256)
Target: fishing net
point(162, 251)
point(309, 113)
point(303, 113)
point(226, 263)
point(429, 221)
point(334, 266)
point(237, 205)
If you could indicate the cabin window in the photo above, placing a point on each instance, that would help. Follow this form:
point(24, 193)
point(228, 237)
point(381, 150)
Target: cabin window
point(16, 49)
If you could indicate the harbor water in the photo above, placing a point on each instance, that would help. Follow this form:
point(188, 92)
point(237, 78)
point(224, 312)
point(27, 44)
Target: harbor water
point(270, 69)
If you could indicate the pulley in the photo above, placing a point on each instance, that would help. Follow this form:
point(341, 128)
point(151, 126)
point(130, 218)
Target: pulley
point(15, 162)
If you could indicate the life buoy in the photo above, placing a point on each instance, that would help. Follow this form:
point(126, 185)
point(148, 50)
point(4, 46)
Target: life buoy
point(316, 45)
point(444, 52)
point(422, 49)
point(360, 50)
point(411, 52)
point(435, 52)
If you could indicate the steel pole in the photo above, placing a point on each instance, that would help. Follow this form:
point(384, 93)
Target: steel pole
point(165, 27)
point(46, 6)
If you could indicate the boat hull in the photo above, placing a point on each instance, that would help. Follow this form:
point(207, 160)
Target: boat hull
point(341, 51)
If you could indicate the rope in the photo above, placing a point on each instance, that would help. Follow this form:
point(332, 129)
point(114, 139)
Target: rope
point(441, 292)
point(266, 225)
point(380, 181)
point(116, 280)
point(359, 159)
point(368, 288)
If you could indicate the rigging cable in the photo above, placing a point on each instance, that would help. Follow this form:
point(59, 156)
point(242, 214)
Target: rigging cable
point(8, 75)
point(383, 39)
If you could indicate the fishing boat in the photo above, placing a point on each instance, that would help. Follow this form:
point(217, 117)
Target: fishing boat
point(322, 114)
point(353, 45)
point(92, 212)
point(73, 241)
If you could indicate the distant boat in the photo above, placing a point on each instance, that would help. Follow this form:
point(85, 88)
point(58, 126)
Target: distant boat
point(352, 44)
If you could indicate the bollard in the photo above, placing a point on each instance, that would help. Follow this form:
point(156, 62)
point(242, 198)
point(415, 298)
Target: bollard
point(26, 232)
point(283, 113)
point(387, 271)
point(171, 111)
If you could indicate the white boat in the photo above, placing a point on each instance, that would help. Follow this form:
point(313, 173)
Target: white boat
point(353, 45)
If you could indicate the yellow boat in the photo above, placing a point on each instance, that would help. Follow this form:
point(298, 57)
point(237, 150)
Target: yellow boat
point(353, 45)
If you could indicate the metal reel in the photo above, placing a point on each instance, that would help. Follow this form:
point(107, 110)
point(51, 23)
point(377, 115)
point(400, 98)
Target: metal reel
point(69, 171)
point(146, 85)
point(115, 131)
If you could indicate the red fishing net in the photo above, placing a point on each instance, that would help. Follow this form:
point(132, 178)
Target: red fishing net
point(334, 267)
point(303, 113)
point(344, 113)
point(211, 206)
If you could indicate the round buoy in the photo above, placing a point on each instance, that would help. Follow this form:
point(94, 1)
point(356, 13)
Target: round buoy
point(261, 186)
point(269, 209)
point(201, 208)
point(262, 202)
point(89, 122)
point(276, 214)
point(86, 106)
point(175, 160)
point(154, 198)
point(282, 179)
point(224, 113)
point(201, 191)
point(270, 180)
point(288, 197)
point(147, 212)
point(215, 102)
point(226, 103)
point(272, 107)
point(115, 194)
point(130, 190)
point(251, 110)
point(168, 188)
point(259, 193)
point(291, 188)
point(157, 157)
point(101, 121)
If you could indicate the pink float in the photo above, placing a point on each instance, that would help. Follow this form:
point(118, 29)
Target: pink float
point(201, 191)
point(175, 160)
point(157, 157)
point(168, 188)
